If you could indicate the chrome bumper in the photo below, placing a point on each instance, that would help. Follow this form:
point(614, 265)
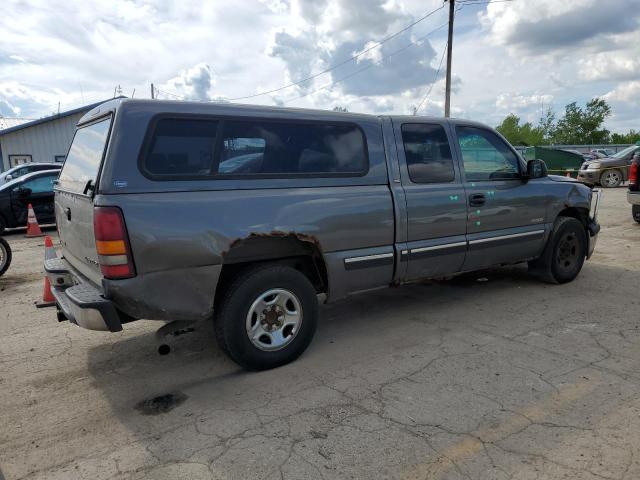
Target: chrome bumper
point(78, 300)
point(633, 198)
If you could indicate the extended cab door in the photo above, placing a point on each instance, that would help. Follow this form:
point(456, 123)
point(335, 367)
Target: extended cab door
point(506, 213)
point(435, 200)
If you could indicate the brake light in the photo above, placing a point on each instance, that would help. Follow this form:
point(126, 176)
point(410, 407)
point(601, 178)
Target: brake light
point(633, 174)
point(112, 243)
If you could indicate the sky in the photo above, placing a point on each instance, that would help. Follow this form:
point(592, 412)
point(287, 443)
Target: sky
point(516, 56)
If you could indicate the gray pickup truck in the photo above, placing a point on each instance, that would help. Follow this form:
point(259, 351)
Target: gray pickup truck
point(247, 215)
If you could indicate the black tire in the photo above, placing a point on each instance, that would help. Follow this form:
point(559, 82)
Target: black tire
point(564, 254)
point(232, 316)
point(5, 256)
point(611, 178)
point(635, 211)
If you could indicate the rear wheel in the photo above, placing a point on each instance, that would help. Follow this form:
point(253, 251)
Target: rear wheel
point(5, 256)
point(266, 317)
point(564, 254)
point(611, 178)
point(635, 211)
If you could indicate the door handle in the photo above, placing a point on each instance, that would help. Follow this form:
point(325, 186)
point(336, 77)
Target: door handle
point(477, 199)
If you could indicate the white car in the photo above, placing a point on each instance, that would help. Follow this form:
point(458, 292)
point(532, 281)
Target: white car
point(20, 170)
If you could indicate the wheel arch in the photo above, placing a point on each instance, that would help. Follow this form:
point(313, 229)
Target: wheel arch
point(298, 251)
point(579, 213)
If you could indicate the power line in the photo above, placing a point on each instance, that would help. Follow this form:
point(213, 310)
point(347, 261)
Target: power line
point(435, 78)
point(416, 42)
point(179, 97)
point(333, 67)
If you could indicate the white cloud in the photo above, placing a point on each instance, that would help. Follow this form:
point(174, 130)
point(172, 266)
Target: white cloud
point(610, 66)
point(192, 83)
point(626, 92)
point(512, 102)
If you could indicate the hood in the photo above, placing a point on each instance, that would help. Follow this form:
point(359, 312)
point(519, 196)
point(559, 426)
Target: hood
point(560, 178)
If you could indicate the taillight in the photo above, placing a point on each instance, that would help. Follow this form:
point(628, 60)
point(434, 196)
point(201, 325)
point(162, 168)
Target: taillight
point(633, 174)
point(112, 243)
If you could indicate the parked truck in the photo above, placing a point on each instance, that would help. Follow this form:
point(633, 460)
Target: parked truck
point(247, 215)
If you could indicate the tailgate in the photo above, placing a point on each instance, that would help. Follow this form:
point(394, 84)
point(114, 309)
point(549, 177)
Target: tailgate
point(75, 196)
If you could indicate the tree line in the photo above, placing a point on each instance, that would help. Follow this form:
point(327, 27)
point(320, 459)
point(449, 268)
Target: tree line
point(577, 126)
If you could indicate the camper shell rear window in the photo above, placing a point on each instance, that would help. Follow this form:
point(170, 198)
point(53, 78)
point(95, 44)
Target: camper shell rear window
point(81, 167)
point(199, 148)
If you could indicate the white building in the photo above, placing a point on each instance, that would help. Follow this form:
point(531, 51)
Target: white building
point(43, 140)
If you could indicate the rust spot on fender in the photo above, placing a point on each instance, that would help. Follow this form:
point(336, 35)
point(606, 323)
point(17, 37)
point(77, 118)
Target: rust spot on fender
point(302, 237)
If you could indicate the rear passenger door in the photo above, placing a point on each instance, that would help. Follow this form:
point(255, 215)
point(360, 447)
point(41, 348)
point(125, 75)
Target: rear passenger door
point(506, 214)
point(436, 206)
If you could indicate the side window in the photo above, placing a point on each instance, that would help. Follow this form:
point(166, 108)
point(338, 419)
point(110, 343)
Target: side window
point(428, 153)
point(486, 156)
point(181, 147)
point(40, 184)
point(275, 148)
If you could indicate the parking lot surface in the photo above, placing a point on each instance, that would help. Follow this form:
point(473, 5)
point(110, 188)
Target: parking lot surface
point(486, 376)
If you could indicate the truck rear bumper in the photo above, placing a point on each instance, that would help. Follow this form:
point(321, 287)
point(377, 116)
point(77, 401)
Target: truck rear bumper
point(79, 301)
point(633, 198)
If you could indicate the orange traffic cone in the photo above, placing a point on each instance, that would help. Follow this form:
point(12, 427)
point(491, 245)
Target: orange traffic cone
point(48, 300)
point(33, 229)
point(49, 249)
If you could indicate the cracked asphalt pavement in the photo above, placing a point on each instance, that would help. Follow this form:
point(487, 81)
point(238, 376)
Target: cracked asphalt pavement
point(506, 378)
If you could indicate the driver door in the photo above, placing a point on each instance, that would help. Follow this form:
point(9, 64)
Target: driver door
point(39, 193)
point(506, 214)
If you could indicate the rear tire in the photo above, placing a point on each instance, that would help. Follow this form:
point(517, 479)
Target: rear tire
point(611, 178)
point(5, 256)
point(266, 317)
point(635, 211)
point(564, 254)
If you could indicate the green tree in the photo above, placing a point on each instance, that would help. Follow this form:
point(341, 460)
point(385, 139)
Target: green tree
point(632, 137)
point(583, 126)
point(547, 125)
point(339, 108)
point(525, 134)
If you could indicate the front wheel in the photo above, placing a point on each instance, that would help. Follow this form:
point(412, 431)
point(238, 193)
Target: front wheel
point(564, 254)
point(266, 317)
point(5, 256)
point(611, 178)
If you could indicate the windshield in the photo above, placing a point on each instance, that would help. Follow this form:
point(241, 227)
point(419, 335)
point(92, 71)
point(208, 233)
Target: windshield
point(626, 151)
point(85, 156)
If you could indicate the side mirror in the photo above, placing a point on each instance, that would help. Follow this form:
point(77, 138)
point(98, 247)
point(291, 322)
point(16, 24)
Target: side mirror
point(8, 177)
point(24, 192)
point(536, 168)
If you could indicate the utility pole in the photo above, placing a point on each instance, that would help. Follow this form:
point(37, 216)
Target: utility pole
point(152, 92)
point(447, 98)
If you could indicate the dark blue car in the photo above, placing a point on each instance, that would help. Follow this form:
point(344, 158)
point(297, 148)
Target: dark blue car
point(35, 189)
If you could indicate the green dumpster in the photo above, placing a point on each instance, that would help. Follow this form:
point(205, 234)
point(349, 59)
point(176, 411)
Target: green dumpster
point(559, 162)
